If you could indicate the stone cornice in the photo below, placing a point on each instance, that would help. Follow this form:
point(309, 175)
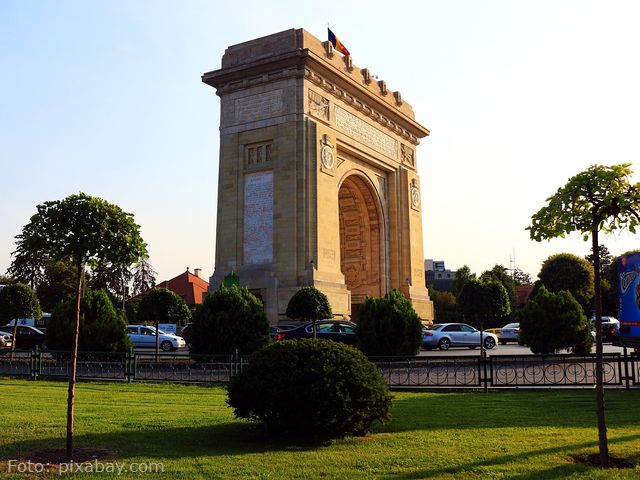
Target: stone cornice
point(303, 64)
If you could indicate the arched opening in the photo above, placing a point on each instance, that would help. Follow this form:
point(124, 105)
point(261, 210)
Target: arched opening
point(361, 246)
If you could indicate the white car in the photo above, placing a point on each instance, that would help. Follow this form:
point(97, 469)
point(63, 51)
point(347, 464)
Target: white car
point(144, 336)
point(509, 333)
point(446, 335)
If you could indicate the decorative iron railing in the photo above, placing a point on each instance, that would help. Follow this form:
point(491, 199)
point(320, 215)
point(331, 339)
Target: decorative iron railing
point(496, 371)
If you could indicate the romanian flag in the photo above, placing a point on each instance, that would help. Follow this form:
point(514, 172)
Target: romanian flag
point(337, 44)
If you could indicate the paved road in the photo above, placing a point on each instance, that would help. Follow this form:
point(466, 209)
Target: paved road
point(508, 349)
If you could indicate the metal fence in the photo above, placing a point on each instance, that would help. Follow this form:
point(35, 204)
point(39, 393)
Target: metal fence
point(497, 371)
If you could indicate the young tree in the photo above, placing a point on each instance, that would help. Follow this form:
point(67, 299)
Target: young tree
point(565, 271)
point(84, 229)
point(17, 300)
point(162, 305)
point(599, 199)
point(309, 303)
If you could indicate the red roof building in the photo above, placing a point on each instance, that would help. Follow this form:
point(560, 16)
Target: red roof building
point(190, 287)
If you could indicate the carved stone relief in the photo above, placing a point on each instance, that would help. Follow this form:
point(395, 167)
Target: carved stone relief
point(318, 106)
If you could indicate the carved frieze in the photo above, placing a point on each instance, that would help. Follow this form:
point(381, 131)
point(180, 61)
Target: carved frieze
point(364, 132)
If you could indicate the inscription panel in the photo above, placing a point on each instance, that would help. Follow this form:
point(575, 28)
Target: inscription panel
point(365, 133)
point(259, 107)
point(258, 218)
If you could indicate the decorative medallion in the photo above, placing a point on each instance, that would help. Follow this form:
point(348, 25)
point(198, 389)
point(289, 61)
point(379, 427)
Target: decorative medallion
point(326, 155)
point(415, 195)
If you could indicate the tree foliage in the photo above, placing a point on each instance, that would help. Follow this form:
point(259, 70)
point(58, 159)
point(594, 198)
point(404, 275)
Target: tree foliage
point(229, 319)
point(57, 283)
point(309, 303)
point(389, 325)
point(17, 300)
point(500, 274)
point(550, 322)
point(445, 306)
point(521, 278)
point(102, 326)
point(162, 305)
point(463, 275)
point(483, 301)
point(606, 259)
point(565, 271)
point(310, 390)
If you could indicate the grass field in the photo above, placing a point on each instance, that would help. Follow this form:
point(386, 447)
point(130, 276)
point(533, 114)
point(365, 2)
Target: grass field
point(192, 433)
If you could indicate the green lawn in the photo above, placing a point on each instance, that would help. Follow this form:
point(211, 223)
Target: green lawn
point(190, 430)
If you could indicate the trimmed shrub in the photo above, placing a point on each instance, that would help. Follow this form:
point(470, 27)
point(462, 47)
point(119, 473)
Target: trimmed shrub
point(550, 322)
point(310, 390)
point(162, 305)
point(309, 303)
point(389, 326)
point(102, 327)
point(229, 319)
point(565, 271)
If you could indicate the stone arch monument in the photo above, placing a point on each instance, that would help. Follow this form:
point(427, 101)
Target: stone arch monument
point(317, 180)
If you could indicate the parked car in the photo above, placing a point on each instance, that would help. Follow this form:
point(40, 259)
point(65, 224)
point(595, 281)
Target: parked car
point(446, 335)
point(610, 328)
point(509, 333)
point(26, 337)
point(143, 336)
point(339, 331)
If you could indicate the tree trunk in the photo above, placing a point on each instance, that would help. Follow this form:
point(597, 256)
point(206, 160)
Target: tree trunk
point(602, 425)
point(74, 363)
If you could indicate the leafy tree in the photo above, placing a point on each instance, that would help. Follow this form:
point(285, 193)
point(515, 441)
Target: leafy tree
point(500, 274)
point(463, 275)
point(144, 276)
point(229, 319)
point(389, 325)
point(131, 308)
point(445, 306)
point(310, 390)
point(162, 305)
point(7, 280)
point(17, 300)
point(599, 199)
point(521, 278)
point(112, 278)
point(86, 230)
point(102, 327)
point(309, 303)
point(484, 300)
point(550, 322)
point(57, 283)
point(565, 271)
point(27, 266)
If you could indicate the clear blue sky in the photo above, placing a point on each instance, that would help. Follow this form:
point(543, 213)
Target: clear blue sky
point(105, 97)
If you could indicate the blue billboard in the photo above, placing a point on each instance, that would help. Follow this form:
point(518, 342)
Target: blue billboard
point(629, 294)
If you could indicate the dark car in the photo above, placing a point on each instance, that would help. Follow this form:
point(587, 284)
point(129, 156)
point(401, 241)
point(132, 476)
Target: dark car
point(26, 337)
point(339, 331)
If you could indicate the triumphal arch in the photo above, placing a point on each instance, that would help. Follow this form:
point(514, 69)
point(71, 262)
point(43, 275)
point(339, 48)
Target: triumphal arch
point(317, 180)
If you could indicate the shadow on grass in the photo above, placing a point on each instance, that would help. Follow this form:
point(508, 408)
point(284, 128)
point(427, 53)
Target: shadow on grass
point(561, 471)
point(458, 411)
point(233, 438)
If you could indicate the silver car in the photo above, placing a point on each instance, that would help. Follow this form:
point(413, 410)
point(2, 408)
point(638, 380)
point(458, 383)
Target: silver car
point(509, 333)
point(446, 335)
point(143, 336)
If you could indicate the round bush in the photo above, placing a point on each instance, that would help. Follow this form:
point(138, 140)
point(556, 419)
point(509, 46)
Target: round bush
point(310, 390)
point(550, 322)
point(102, 327)
point(229, 319)
point(389, 326)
